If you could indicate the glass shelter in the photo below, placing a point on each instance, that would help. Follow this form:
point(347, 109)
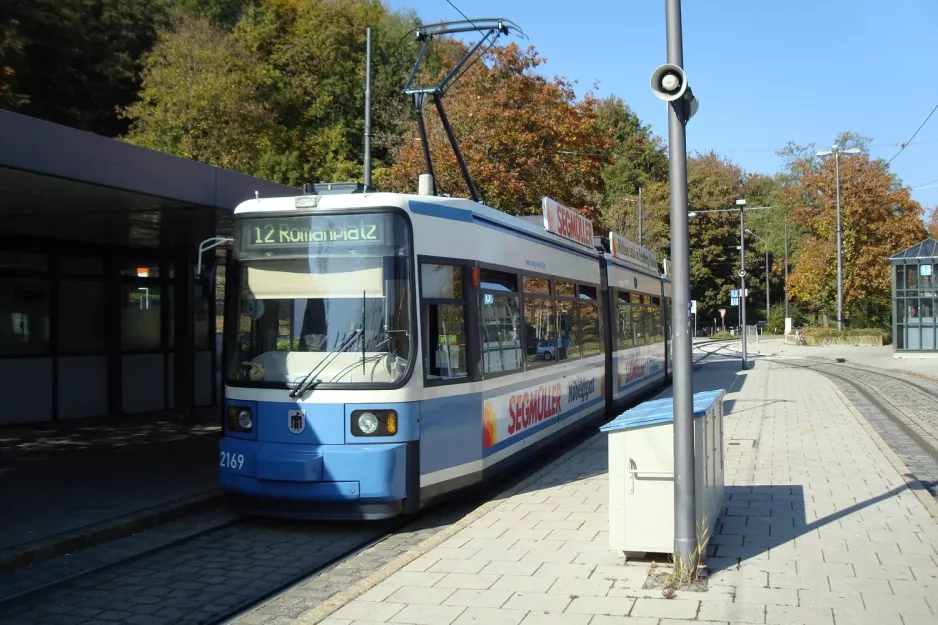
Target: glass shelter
point(914, 297)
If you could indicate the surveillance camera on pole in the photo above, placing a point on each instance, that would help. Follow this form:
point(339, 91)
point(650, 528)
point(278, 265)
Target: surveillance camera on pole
point(669, 83)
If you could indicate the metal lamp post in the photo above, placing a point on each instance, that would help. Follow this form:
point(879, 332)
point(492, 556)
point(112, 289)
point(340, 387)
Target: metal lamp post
point(742, 275)
point(836, 151)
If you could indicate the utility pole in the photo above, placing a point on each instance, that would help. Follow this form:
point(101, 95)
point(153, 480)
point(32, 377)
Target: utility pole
point(367, 107)
point(836, 151)
point(840, 264)
point(787, 315)
point(742, 274)
point(767, 270)
point(669, 83)
point(640, 207)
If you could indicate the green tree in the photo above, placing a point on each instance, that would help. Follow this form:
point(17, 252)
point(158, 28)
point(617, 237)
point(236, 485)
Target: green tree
point(637, 158)
point(299, 85)
point(77, 62)
point(204, 97)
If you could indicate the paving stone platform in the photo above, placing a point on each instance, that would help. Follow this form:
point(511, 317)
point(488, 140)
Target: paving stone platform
point(818, 527)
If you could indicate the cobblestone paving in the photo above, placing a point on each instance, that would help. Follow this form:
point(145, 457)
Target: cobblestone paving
point(314, 590)
point(197, 581)
point(912, 404)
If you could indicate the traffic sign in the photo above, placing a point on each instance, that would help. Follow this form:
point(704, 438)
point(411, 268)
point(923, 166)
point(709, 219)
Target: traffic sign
point(693, 307)
point(734, 301)
point(722, 313)
point(734, 292)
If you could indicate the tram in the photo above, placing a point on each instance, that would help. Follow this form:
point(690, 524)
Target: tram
point(383, 350)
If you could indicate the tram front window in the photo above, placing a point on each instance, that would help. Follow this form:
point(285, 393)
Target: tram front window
point(340, 308)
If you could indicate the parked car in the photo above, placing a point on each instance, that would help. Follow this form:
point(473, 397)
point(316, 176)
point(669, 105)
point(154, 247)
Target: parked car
point(548, 349)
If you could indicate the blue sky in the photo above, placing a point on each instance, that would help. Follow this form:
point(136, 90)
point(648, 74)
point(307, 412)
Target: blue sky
point(765, 71)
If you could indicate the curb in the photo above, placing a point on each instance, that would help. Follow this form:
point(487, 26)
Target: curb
point(340, 600)
point(104, 531)
point(914, 484)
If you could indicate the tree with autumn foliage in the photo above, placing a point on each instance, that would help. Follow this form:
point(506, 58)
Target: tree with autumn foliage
point(931, 224)
point(878, 217)
point(522, 136)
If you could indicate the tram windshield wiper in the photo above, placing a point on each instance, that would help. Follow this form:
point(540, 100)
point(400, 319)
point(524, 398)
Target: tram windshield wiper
point(309, 380)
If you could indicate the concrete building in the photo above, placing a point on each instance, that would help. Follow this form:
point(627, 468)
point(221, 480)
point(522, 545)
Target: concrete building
point(100, 313)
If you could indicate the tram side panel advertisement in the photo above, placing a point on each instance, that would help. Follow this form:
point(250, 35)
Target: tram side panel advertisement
point(514, 415)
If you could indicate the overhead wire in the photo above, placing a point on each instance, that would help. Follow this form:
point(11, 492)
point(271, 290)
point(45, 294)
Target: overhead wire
point(903, 146)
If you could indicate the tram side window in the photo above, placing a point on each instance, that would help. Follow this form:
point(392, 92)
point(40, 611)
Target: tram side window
point(501, 322)
point(540, 327)
point(568, 326)
point(626, 337)
point(638, 319)
point(444, 322)
point(590, 332)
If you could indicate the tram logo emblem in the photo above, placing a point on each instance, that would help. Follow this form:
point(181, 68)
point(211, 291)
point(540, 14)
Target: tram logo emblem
point(296, 421)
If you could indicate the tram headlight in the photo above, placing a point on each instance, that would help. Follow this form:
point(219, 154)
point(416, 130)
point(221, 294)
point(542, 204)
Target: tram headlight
point(374, 422)
point(240, 419)
point(368, 423)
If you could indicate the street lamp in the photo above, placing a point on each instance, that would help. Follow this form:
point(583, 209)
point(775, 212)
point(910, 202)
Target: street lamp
point(767, 269)
point(742, 275)
point(836, 151)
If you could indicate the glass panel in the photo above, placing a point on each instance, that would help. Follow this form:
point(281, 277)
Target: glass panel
point(446, 331)
point(541, 333)
point(926, 278)
point(567, 345)
point(140, 270)
point(623, 297)
point(140, 317)
point(23, 261)
point(337, 309)
point(564, 289)
point(536, 285)
point(589, 292)
point(220, 282)
point(441, 281)
point(501, 333)
point(81, 317)
point(900, 336)
point(78, 265)
point(911, 277)
point(900, 278)
point(201, 326)
point(589, 329)
point(927, 306)
point(24, 317)
point(656, 301)
point(626, 334)
point(498, 280)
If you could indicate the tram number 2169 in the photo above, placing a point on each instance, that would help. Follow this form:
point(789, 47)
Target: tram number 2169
point(228, 460)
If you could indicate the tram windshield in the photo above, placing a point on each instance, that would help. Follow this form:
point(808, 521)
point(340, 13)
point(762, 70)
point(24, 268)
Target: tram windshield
point(327, 294)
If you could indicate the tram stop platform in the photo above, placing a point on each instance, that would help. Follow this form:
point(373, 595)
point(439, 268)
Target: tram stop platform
point(820, 524)
point(76, 484)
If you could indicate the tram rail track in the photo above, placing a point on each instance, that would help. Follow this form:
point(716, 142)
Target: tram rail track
point(214, 575)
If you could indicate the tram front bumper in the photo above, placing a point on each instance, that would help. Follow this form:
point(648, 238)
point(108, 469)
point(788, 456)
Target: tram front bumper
point(328, 473)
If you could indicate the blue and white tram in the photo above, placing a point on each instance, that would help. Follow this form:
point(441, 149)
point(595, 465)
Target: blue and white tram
point(385, 349)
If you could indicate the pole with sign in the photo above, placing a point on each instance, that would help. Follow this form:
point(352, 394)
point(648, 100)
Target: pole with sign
point(723, 318)
point(693, 311)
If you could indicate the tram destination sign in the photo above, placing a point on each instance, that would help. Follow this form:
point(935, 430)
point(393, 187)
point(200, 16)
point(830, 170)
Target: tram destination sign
point(566, 222)
point(267, 232)
point(632, 252)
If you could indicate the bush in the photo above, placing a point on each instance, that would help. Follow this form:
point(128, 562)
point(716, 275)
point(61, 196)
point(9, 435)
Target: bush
point(723, 335)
